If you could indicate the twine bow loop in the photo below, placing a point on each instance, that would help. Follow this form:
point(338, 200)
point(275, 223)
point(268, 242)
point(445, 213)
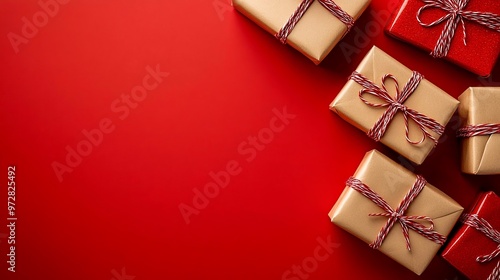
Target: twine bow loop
point(483, 226)
point(455, 15)
point(395, 104)
point(398, 215)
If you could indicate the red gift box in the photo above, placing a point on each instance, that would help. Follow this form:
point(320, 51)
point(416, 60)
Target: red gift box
point(483, 43)
point(469, 243)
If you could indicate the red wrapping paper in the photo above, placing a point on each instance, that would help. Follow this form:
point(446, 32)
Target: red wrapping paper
point(469, 243)
point(483, 44)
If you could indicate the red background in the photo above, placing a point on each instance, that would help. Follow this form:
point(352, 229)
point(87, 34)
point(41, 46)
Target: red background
point(119, 208)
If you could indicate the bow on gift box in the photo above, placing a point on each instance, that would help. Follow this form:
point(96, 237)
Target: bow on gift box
point(330, 5)
point(483, 226)
point(455, 14)
point(479, 130)
point(396, 104)
point(397, 215)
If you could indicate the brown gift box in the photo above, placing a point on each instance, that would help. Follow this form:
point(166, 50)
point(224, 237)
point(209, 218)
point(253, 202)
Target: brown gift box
point(392, 182)
point(480, 153)
point(427, 99)
point(316, 33)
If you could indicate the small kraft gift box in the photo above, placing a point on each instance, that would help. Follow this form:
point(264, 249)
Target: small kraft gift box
point(395, 211)
point(479, 111)
point(475, 248)
point(313, 27)
point(395, 105)
point(465, 32)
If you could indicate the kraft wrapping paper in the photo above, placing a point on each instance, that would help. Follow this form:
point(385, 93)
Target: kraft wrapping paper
point(427, 99)
point(480, 154)
point(391, 181)
point(317, 32)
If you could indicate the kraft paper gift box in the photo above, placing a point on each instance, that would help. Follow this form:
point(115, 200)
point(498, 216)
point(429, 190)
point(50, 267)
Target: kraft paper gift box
point(426, 99)
point(392, 182)
point(479, 107)
point(316, 32)
point(469, 243)
point(482, 41)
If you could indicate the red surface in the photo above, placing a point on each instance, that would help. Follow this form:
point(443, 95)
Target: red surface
point(119, 207)
point(483, 44)
point(469, 243)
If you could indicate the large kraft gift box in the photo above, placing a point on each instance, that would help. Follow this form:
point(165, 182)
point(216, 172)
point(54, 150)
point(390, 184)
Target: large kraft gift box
point(316, 32)
point(478, 19)
point(469, 243)
point(426, 99)
point(392, 182)
point(480, 107)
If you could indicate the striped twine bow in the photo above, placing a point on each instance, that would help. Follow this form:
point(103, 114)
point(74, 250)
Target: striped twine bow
point(396, 104)
point(479, 130)
point(330, 5)
point(406, 222)
point(483, 226)
point(455, 14)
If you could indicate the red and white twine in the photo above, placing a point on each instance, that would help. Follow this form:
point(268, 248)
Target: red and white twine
point(483, 226)
point(398, 214)
point(455, 14)
point(330, 5)
point(396, 104)
point(479, 130)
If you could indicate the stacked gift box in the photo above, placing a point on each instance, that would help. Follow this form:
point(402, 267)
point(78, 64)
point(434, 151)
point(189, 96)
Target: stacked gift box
point(407, 218)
